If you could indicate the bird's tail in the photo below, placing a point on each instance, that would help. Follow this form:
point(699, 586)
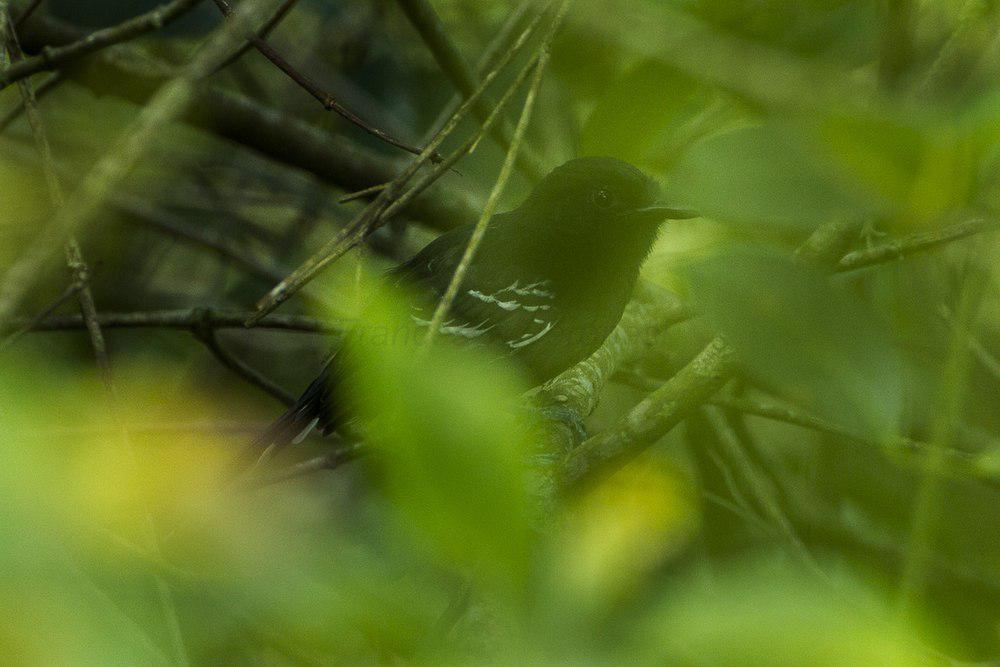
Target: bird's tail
point(312, 410)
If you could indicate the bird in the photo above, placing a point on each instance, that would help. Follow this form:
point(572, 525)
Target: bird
point(547, 285)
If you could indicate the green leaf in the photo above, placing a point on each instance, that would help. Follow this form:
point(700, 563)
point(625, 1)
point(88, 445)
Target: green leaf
point(763, 175)
point(768, 613)
point(642, 105)
point(803, 336)
point(452, 441)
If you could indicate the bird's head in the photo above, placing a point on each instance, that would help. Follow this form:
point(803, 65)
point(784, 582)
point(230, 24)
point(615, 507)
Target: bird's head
point(601, 197)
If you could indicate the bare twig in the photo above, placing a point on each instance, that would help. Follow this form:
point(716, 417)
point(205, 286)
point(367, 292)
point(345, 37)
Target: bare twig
point(432, 175)
point(429, 26)
point(88, 310)
point(28, 11)
point(143, 212)
point(205, 332)
point(311, 87)
point(43, 89)
point(501, 41)
point(910, 245)
point(762, 488)
point(32, 324)
point(361, 194)
point(54, 57)
point(263, 33)
point(179, 319)
point(278, 135)
point(74, 258)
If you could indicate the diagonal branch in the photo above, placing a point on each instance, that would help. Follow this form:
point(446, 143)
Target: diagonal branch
point(74, 257)
point(41, 91)
point(429, 26)
point(263, 33)
point(178, 319)
point(205, 332)
point(55, 57)
point(88, 310)
point(311, 87)
point(910, 245)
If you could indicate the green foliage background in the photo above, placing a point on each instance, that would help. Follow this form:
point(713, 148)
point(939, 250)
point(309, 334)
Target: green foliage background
point(871, 539)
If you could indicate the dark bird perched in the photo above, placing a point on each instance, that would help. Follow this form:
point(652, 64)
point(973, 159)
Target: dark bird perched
point(547, 285)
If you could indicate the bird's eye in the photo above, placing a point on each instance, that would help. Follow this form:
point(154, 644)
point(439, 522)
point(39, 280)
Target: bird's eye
point(603, 199)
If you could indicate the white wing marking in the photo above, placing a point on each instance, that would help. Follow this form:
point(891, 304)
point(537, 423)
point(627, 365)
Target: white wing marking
point(528, 339)
point(461, 330)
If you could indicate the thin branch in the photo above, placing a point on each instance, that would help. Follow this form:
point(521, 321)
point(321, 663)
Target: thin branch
point(263, 33)
point(204, 332)
point(46, 87)
point(491, 54)
point(28, 11)
point(280, 136)
point(311, 87)
point(910, 245)
point(140, 210)
point(180, 319)
point(55, 57)
point(430, 28)
point(762, 488)
point(365, 221)
point(330, 461)
point(88, 310)
point(432, 175)
point(74, 257)
point(21, 328)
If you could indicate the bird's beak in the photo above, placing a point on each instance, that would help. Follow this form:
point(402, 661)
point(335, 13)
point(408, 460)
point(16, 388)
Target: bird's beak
point(660, 212)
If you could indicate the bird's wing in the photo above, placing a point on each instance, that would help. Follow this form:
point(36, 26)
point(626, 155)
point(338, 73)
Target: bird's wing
point(498, 302)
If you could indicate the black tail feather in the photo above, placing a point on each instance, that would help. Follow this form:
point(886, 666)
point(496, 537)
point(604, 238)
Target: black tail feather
point(314, 409)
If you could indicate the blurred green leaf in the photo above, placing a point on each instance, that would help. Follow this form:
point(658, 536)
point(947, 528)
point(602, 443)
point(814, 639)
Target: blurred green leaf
point(918, 171)
point(802, 335)
point(631, 115)
point(763, 175)
point(452, 438)
point(771, 614)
